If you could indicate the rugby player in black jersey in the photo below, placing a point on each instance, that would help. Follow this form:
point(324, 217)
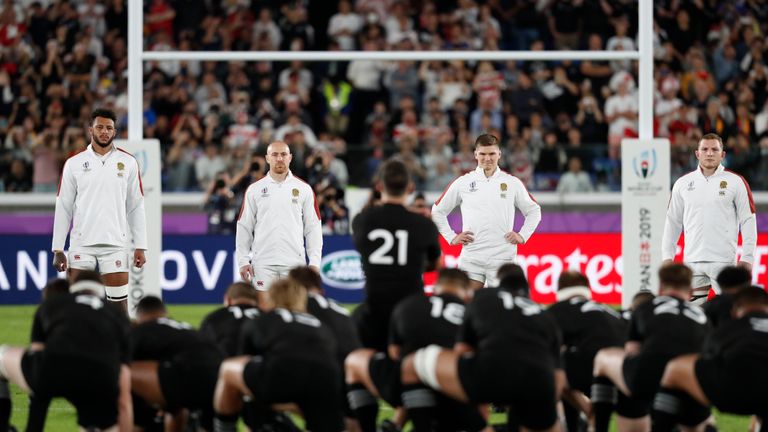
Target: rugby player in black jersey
point(396, 246)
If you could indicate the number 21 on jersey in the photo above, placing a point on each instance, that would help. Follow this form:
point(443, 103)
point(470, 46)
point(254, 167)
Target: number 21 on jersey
point(382, 255)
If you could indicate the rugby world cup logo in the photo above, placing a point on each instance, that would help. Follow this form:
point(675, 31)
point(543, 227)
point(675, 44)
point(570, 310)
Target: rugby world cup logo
point(645, 163)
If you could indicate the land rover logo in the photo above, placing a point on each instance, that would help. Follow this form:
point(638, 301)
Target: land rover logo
point(343, 270)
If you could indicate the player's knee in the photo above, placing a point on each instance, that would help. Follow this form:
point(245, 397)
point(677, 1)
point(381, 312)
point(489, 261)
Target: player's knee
point(598, 365)
point(231, 370)
point(356, 364)
point(674, 372)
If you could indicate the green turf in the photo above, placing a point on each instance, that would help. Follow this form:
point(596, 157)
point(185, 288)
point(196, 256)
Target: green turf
point(16, 322)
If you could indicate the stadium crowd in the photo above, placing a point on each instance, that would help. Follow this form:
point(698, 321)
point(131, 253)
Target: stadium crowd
point(557, 120)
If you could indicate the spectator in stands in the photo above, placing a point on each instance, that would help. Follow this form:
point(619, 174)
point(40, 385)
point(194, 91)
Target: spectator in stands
point(219, 203)
point(47, 162)
point(437, 162)
point(575, 180)
point(518, 160)
point(401, 80)
point(565, 23)
point(209, 165)
point(345, 25)
point(621, 111)
point(17, 177)
point(620, 42)
point(526, 99)
point(334, 215)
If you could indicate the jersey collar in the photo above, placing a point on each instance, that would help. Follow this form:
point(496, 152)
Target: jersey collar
point(719, 170)
point(481, 172)
point(96, 155)
point(272, 179)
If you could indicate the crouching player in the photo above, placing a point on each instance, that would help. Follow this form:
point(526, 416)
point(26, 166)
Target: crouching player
point(80, 351)
point(289, 358)
point(417, 321)
point(729, 374)
point(496, 352)
point(174, 367)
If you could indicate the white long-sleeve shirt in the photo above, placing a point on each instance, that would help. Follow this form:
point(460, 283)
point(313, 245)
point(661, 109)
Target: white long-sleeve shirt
point(274, 222)
point(103, 198)
point(488, 210)
point(711, 210)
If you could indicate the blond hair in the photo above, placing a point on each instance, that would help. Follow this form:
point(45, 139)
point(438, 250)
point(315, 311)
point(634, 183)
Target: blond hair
point(288, 294)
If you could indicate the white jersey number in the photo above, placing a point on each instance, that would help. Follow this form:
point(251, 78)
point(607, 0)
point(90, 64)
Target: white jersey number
point(248, 313)
point(527, 306)
point(670, 306)
point(380, 255)
point(452, 312)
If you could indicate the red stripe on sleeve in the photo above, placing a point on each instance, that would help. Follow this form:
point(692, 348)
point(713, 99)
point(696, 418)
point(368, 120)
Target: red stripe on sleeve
point(446, 190)
point(752, 207)
point(141, 185)
point(314, 197)
point(61, 177)
point(138, 168)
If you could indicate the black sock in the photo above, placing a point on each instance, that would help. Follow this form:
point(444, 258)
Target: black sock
point(420, 402)
point(513, 421)
point(667, 407)
point(38, 411)
point(225, 423)
point(572, 417)
point(603, 396)
point(365, 406)
point(5, 405)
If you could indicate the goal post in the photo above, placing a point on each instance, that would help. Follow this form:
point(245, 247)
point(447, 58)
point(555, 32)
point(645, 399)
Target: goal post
point(644, 55)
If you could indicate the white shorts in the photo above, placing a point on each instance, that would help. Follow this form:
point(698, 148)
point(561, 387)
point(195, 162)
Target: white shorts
point(482, 270)
point(263, 276)
point(110, 259)
point(705, 275)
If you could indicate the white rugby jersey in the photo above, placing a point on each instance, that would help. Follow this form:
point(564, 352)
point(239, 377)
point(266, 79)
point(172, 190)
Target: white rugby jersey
point(275, 219)
point(711, 210)
point(103, 198)
point(488, 210)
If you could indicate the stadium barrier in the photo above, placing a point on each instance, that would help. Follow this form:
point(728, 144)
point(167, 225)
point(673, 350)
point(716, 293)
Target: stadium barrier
point(198, 268)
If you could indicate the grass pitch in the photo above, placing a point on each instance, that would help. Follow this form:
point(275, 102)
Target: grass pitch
point(16, 325)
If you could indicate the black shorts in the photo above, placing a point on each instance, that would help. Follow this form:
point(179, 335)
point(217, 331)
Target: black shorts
point(505, 380)
point(642, 374)
point(736, 387)
point(314, 386)
point(453, 415)
point(578, 367)
point(385, 375)
point(92, 387)
point(189, 381)
point(372, 324)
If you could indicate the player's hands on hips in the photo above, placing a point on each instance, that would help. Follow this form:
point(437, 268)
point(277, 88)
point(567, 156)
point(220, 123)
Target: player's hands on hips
point(745, 265)
point(246, 272)
point(514, 238)
point(139, 258)
point(463, 238)
point(60, 261)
